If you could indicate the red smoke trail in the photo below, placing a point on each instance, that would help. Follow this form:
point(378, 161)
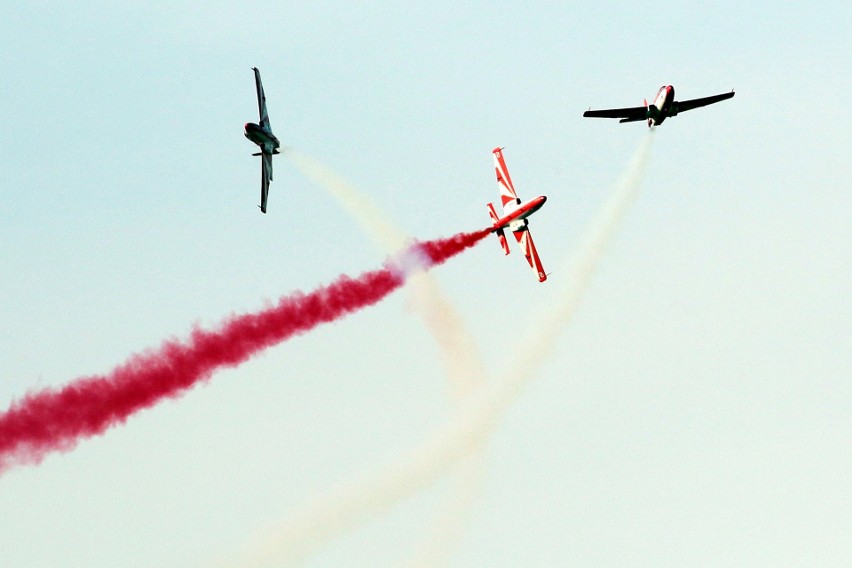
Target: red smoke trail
point(55, 419)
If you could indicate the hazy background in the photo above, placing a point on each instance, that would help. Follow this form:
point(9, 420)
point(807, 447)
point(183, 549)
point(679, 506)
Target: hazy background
point(696, 412)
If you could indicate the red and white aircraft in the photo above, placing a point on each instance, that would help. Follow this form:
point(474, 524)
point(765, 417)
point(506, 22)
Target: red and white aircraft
point(663, 106)
point(515, 215)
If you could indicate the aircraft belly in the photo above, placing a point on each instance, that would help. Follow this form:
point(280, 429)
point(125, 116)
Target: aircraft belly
point(264, 139)
point(255, 137)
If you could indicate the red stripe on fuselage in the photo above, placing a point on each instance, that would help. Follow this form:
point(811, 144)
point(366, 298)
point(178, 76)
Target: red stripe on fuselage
point(523, 211)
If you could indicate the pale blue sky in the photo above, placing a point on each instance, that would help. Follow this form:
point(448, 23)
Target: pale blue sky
point(696, 412)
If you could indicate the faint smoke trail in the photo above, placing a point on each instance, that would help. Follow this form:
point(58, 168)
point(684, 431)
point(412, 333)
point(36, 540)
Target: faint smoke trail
point(539, 342)
point(55, 419)
point(446, 532)
point(372, 220)
point(357, 501)
point(462, 365)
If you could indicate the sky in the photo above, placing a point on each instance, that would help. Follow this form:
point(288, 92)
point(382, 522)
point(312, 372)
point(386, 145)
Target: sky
point(693, 410)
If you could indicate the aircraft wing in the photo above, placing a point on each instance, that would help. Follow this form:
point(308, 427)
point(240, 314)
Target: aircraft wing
point(265, 178)
point(525, 241)
point(631, 114)
point(683, 106)
point(504, 181)
point(261, 99)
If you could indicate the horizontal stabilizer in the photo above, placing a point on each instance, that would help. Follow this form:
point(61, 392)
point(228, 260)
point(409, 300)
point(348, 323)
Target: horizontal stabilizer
point(493, 214)
point(503, 242)
point(500, 233)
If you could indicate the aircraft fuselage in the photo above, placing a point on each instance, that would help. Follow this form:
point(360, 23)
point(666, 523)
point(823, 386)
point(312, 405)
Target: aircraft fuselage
point(662, 105)
point(263, 137)
point(518, 211)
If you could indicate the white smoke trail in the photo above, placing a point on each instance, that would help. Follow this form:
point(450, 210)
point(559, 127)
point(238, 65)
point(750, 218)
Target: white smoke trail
point(481, 420)
point(462, 364)
point(445, 533)
point(362, 499)
point(374, 223)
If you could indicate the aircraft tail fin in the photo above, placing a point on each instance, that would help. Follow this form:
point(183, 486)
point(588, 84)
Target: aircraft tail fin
point(503, 242)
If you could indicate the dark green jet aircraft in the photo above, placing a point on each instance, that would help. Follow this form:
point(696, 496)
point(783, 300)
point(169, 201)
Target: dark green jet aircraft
point(261, 134)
